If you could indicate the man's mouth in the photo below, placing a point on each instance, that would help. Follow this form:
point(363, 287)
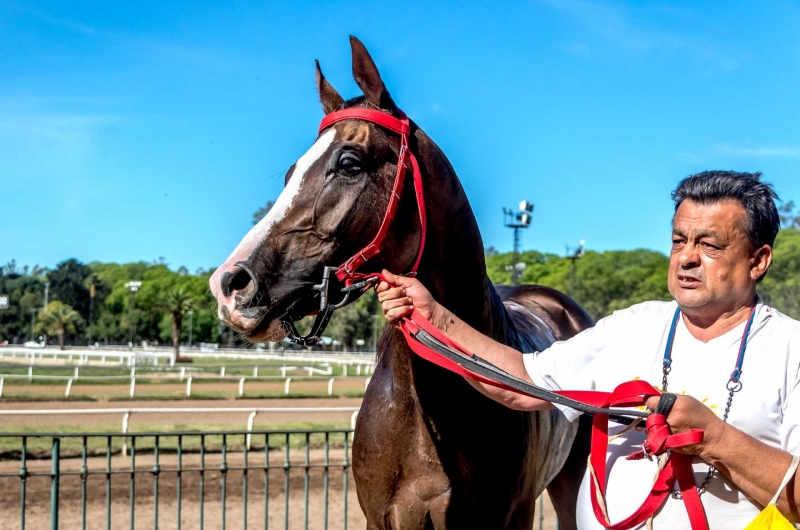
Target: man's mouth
point(685, 280)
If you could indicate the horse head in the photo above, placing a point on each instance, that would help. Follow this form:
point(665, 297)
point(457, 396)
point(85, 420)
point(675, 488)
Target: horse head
point(332, 205)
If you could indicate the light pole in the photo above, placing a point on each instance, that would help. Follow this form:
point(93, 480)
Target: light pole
point(33, 322)
point(517, 221)
point(91, 308)
point(574, 254)
point(191, 315)
point(132, 287)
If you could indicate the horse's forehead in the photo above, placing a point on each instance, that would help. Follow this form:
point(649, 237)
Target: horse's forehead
point(354, 131)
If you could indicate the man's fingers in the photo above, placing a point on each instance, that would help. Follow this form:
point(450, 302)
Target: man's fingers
point(398, 302)
point(393, 315)
point(381, 287)
point(390, 294)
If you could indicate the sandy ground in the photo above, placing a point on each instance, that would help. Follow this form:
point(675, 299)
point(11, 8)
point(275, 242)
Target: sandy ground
point(70, 515)
point(225, 387)
point(233, 420)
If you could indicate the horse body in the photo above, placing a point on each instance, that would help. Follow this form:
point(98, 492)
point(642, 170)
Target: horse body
point(429, 450)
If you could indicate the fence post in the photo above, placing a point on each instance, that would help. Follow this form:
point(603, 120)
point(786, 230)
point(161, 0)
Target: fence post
point(255, 371)
point(30, 373)
point(125, 431)
point(283, 371)
point(189, 386)
point(183, 372)
point(133, 372)
point(286, 386)
point(358, 369)
point(366, 385)
point(54, 474)
point(222, 372)
point(241, 387)
point(330, 386)
point(344, 370)
point(133, 386)
point(69, 386)
point(76, 372)
point(2, 382)
point(250, 426)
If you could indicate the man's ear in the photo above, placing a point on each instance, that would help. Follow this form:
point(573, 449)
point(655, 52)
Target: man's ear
point(762, 259)
point(328, 96)
point(368, 78)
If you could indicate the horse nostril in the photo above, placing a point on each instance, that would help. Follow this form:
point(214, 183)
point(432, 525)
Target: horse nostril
point(240, 282)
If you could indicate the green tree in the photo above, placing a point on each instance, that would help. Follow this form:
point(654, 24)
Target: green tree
point(176, 302)
point(59, 319)
point(604, 281)
point(781, 286)
point(789, 218)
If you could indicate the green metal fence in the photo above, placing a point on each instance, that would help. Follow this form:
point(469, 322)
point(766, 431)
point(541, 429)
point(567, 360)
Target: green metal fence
point(289, 479)
point(251, 478)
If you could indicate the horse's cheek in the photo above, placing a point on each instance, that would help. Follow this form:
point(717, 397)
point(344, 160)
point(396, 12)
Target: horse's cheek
point(336, 210)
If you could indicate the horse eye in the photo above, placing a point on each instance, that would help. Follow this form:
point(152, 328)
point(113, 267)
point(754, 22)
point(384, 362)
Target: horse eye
point(349, 165)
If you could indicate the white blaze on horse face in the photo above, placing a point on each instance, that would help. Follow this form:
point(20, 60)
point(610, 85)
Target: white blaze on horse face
point(260, 232)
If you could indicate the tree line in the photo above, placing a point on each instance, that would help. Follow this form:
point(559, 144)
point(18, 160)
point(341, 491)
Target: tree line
point(603, 282)
point(93, 302)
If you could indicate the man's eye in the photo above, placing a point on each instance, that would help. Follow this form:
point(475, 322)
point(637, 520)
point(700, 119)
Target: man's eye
point(349, 165)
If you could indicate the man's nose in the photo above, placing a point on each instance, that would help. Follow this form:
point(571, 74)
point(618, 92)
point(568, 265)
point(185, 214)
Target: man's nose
point(689, 256)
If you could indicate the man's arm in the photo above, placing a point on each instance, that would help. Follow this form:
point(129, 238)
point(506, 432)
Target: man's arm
point(755, 467)
point(409, 293)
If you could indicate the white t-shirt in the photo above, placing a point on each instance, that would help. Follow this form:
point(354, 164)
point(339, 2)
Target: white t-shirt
point(630, 345)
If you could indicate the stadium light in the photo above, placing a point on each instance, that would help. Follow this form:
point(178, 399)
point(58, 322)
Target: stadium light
point(517, 221)
point(574, 254)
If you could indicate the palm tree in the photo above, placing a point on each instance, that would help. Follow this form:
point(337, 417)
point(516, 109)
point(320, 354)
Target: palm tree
point(176, 302)
point(59, 319)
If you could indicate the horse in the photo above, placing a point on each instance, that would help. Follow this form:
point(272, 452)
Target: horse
point(429, 451)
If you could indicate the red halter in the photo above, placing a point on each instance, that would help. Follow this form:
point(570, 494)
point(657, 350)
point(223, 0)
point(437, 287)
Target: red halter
point(401, 126)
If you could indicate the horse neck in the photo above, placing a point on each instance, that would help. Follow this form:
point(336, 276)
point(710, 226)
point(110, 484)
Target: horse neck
point(453, 267)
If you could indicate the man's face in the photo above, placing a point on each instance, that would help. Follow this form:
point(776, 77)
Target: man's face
point(712, 266)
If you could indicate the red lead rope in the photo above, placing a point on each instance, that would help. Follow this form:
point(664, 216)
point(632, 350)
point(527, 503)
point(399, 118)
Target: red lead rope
point(631, 394)
point(678, 467)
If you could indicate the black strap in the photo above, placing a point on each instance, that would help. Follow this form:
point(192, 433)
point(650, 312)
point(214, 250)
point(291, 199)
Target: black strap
point(490, 371)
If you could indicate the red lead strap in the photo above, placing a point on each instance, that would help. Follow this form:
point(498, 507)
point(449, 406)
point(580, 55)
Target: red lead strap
point(678, 467)
point(401, 126)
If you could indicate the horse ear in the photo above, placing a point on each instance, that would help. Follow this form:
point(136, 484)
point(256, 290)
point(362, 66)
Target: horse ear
point(367, 77)
point(328, 96)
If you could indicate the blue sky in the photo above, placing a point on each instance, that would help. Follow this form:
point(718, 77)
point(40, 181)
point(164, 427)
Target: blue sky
point(157, 128)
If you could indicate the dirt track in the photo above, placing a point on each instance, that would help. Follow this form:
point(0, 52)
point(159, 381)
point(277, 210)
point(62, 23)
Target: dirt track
point(38, 494)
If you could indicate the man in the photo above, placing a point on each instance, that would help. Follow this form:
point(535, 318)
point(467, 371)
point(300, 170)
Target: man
point(723, 231)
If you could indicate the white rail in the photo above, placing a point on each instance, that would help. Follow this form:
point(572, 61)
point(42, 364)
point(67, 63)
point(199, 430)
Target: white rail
point(126, 412)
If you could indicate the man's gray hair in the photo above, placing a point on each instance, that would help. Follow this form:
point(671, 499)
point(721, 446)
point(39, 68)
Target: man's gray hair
point(756, 197)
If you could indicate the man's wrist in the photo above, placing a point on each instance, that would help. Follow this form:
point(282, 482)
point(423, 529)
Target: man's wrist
point(712, 441)
point(440, 317)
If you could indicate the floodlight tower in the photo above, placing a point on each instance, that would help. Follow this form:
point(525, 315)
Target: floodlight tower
point(517, 221)
point(574, 254)
point(132, 287)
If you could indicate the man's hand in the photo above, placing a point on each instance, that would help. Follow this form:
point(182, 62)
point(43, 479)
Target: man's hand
point(406, 295)
point(688, 413)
